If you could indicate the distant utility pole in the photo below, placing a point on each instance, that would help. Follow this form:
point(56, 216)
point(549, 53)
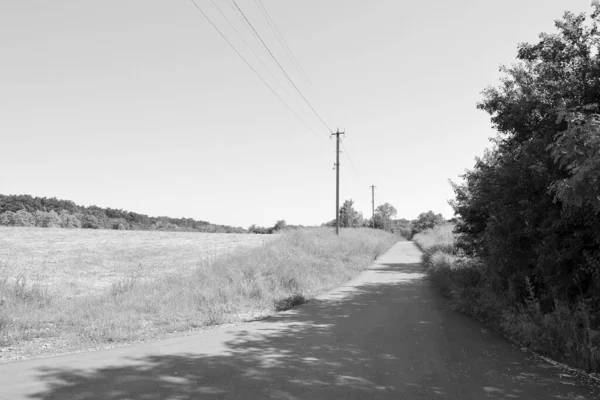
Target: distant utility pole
point(337, 180)
point(373, 205)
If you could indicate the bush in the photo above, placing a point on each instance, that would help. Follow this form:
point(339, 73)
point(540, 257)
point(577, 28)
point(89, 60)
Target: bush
point(7, 218)
point(566, 332)
point(90, 222)
point(47, 219)
point(425, 221)
point(23, 218)
point(68, 220)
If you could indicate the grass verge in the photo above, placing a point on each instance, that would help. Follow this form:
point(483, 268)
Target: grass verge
point(568, 333)
point(282, 273)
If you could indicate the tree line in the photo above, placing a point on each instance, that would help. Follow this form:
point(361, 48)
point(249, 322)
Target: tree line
point(529, 210)
point(384, 218)
point(26, 210)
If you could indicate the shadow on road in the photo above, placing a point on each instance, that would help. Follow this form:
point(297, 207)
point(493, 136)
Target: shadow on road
point(348, 346)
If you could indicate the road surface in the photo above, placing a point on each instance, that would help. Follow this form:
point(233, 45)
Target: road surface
point(385, 335)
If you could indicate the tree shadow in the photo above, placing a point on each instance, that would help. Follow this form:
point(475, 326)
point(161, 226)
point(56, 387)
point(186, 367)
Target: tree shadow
point(389, 336)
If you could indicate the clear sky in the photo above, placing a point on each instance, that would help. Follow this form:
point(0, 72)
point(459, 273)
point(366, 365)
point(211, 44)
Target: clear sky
point(141, 105)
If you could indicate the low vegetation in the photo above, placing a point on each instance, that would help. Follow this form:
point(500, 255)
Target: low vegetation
point(567, 332)
point(291, 268)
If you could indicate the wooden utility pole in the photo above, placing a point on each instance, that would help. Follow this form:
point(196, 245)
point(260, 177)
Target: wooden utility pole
point(337, 180)
point(373, 205)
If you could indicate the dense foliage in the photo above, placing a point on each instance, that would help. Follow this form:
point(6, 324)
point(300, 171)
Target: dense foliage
point(382, 219)
point(25, 210)
point(349, 217)
point(529, 211)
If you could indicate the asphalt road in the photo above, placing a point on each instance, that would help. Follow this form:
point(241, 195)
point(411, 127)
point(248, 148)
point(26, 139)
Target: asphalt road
point(385, 335)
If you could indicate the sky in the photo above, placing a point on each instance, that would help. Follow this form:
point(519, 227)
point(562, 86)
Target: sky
point(141, 104)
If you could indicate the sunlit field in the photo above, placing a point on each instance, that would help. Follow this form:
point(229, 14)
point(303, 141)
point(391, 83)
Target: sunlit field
point(66, 290)
point(78, 262)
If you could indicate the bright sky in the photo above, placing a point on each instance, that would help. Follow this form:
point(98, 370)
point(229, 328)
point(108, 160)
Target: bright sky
point(141, 105)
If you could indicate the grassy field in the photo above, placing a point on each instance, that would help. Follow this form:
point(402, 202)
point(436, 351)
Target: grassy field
point(67, 290)
point(83, 262)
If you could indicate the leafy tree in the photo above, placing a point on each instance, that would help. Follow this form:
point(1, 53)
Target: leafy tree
point(23, 218)
point(47, 219)
point(279, 225)
point(402, 227)
point(427, 220)
point(69, 220)
point(383, 216)
point(529, 207)
point(349, 217)
point(90, 222)
point(7, 218)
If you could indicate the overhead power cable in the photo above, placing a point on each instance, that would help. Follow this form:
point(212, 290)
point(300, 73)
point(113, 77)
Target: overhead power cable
point(260, 60)
point(349, 159)
point(280, 67)
point(251, 67)
point(283, 43)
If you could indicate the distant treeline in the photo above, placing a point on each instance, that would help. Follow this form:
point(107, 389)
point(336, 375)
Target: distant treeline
point(26, 210)
point(279, 226)
point(384, 219)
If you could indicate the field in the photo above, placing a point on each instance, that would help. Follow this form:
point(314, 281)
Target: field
point(82, 262)
point(67, 290)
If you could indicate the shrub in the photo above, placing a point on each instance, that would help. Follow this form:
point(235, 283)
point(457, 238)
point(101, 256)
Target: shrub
point(69, 220)
point(23, 218)
point(7, 218)
point(566, 332)
point(90, 222)
point(47, 219)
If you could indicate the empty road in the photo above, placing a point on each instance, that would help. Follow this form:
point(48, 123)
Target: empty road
point(385, 335)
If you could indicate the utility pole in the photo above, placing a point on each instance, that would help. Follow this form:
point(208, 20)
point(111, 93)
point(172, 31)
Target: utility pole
point(337, 180)
point(373, 205)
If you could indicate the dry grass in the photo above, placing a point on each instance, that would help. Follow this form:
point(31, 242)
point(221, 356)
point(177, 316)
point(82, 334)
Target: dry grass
point(81, 262)
point(440, 235)
point(177, 288)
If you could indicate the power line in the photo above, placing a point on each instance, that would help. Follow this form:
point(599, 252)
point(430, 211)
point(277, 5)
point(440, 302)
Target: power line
point(261, 62)
point(280, 67)
point(283, 43)
point(250, 66)
point(349, 159)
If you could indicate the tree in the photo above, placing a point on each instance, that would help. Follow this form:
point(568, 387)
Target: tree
point(383, 216)
point(279, 225)
point(349, 217)
point(68, 220)
point(529, 208)
point(47, 219)
point(90, 222)
point(427, 220)
point(23, 218)
point(7, 218)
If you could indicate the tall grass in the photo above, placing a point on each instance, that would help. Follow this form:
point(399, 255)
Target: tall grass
point(241, 285)
point(566, 333)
